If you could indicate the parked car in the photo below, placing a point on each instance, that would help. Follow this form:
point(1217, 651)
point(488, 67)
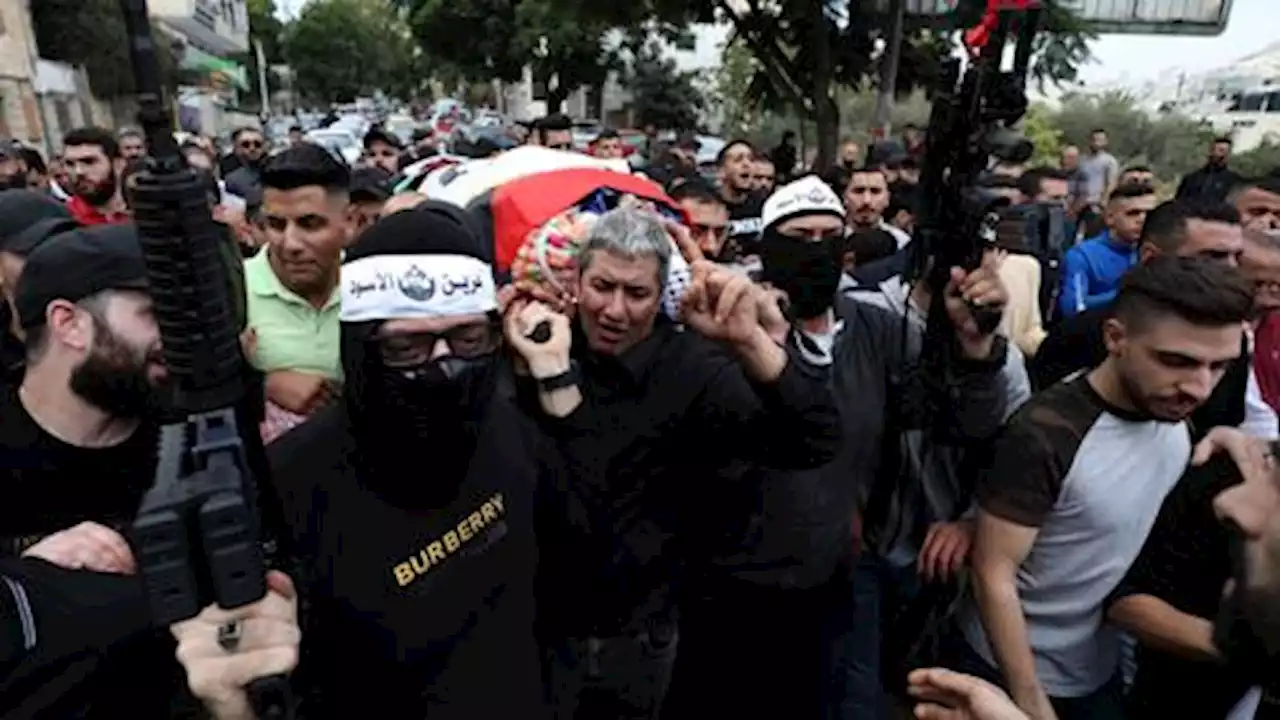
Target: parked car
point(338, 140)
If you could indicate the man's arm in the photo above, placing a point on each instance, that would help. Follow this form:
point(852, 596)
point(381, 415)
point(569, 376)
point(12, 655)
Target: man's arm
point(1016, 494)
point(299, 392)
point(1175, 584)
point(1074, 283)
point(1159, 625)
point(983, 393)
point(1000, 546)
point(787, 422)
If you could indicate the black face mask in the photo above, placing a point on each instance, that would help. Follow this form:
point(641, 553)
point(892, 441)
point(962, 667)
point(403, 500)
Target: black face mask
point(808, 272)
point(433, 398)
point(416, 427)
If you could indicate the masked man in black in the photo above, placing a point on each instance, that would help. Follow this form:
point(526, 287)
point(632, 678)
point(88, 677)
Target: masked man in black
point(411, 502)
point(794, 564)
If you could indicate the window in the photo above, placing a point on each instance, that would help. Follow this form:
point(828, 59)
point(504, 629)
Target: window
point(63, 115)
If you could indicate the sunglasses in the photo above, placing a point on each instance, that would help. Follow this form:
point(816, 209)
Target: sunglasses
point(251, 144)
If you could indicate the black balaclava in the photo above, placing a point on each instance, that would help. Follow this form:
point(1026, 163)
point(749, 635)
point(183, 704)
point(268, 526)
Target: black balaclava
point(806, 269)
point(415, 428)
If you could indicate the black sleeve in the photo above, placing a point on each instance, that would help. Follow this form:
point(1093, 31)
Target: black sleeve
point(789, 424)
point(1024, 478)
point(1185, 560)
point(1074, 344)
point(1184, 186)
point(975, 396)
point(50, 613)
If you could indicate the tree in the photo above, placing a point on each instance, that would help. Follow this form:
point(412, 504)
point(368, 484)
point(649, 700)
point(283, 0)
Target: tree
point(343, 49)
point(1262, 160)
point(806, 49)
point(730, 102)
point(1171, 144)
point(562, 41)
point(265, 28)
point(661, 93)
point(91, 33)
point(1039, 127)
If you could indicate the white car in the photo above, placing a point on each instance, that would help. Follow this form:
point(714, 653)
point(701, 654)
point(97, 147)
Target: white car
point(340, 141)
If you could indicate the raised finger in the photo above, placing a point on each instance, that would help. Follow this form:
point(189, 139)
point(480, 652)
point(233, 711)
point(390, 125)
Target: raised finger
point(734, 292)
point(684, 242)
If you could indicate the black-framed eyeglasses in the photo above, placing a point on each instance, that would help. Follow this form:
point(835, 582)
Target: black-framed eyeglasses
point(404, 350)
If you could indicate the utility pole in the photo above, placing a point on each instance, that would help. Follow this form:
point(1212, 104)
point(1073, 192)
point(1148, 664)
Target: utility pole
point(263, 92)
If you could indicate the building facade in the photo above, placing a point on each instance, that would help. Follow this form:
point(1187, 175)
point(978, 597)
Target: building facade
point(214, 35)
point(19, 110)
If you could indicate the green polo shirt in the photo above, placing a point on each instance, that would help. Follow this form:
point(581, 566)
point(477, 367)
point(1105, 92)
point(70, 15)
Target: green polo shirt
point(292, 333)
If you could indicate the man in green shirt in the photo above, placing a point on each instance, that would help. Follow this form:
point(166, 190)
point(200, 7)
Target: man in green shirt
point(292, 283)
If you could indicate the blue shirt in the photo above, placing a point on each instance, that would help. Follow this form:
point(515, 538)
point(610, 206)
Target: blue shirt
point(1092, 270)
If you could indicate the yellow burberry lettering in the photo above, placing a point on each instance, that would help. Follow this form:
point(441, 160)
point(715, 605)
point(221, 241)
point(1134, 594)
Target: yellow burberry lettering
point(438, 550)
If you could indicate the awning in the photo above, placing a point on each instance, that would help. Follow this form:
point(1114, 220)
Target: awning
point(200, 61)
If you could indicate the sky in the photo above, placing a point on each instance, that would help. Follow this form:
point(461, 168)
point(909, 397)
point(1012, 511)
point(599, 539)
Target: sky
point(1250, 27)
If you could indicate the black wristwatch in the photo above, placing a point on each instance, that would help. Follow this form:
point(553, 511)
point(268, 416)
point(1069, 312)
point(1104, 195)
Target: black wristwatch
point(568, 378)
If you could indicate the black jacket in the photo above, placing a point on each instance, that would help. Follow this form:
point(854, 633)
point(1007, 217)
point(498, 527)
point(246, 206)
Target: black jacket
point(420, 613)
point(1208, 183)
point(660, 428)
point(910, 472)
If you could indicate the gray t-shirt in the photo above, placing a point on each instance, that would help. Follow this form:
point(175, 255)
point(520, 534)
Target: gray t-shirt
point(1091, 478)
point(1098, 171)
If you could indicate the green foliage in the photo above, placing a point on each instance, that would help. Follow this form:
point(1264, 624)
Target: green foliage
point(1262, 160)
point(343, 49)
point(485, 39)
point(661, 93)
point(1171, 144)
point(91, 33)
point(266, 28)
point(730, 102)
point(781, 37)
point(1038, 125)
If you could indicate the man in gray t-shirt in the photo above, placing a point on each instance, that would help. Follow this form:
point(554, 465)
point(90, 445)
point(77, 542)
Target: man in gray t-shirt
point(1074, 485)
point(1099, 169)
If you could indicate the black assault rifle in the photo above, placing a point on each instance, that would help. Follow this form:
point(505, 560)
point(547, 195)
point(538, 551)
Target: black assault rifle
point(198, 536)
point(971, 122)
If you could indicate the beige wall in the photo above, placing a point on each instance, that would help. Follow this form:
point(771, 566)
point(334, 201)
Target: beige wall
point(20, 112)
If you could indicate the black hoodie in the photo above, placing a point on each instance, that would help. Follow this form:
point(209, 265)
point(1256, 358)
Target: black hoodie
point(415, 548)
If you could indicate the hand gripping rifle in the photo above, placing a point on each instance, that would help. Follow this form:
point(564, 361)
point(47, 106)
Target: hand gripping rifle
point(971, 121)
point(198, 535)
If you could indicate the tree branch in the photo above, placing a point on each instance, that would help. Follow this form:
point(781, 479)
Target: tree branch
point(775, 63)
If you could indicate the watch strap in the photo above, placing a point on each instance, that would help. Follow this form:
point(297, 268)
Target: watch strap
point(568, 378)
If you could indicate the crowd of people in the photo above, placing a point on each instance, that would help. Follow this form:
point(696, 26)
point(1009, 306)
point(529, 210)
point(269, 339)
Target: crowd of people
point(735, 460)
